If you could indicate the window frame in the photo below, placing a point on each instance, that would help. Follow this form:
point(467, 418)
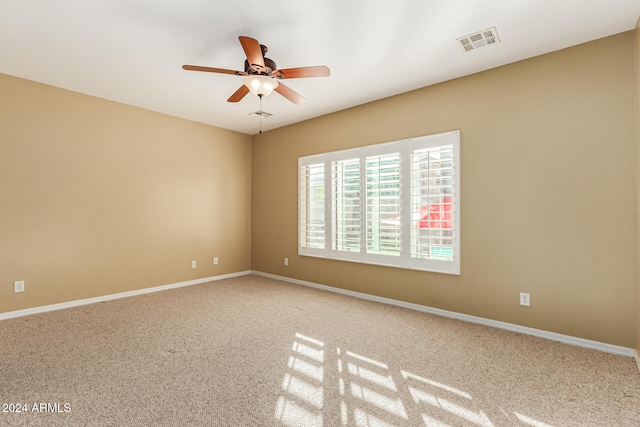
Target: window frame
point(405, 259)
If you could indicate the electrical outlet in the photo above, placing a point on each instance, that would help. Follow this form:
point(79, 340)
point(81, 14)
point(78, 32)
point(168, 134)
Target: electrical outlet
point(286, 261)
point(18, 286)
point(194, 264)
point(525, 299)
point(215, 260)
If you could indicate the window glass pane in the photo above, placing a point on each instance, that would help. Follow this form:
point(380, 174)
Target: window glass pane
point(383, 204)
point(312, 198)
point(432, 207)
point(345, 205)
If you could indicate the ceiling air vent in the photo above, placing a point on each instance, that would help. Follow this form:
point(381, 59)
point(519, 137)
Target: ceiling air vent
point(261, 114)
point(479, 39)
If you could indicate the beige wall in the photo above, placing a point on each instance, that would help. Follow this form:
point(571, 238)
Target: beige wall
point(548, 192)
point(637, 117)
point(97, 197)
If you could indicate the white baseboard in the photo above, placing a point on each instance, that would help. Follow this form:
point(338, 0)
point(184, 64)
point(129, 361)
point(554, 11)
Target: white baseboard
point(76, 303)
point(567, 339)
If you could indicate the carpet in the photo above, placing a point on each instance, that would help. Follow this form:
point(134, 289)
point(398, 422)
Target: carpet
point(254, 351)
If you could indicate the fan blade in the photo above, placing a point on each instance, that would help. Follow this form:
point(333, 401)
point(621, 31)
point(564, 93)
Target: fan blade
point(300, 72)
point(253, 51)
point(290, 94)
point(239, 94)
point(212, 70)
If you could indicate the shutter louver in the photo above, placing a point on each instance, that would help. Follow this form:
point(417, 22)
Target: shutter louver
point(346, 210)
point(433, 208)
point(312, 206)
point(383, 204)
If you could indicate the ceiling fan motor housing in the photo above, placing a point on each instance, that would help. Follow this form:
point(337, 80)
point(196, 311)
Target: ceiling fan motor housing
point(269, 66)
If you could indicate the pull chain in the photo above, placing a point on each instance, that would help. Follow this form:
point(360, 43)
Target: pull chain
point(260, 112)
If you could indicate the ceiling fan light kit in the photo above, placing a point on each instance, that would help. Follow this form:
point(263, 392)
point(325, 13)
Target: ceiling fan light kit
point(262, 75)
point(260, 85)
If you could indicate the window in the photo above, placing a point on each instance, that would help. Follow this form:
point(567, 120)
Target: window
point(395, 204)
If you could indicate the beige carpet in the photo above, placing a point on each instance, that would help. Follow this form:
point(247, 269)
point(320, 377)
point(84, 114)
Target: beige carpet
point(252, 351)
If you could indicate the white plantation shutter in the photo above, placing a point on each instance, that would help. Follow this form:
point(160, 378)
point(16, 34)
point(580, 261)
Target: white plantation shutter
point(395, 204)
point(312, 210)
point(383, 204)
point(434, 182)
point(346, 212)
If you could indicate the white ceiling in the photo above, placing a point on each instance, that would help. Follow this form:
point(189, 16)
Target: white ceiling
point(132, 51)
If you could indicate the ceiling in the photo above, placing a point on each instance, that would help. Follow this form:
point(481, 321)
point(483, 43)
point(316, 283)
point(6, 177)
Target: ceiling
point(132, 51)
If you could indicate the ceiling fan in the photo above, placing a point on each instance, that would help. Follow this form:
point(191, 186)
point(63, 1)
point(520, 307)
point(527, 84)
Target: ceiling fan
point(262, 76)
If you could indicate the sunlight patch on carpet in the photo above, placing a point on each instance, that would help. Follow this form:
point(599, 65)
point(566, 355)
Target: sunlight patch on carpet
point(303, 398)
point(326, 385)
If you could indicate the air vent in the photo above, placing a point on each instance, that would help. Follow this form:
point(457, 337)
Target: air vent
point(479, 39)
point(261, 114)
